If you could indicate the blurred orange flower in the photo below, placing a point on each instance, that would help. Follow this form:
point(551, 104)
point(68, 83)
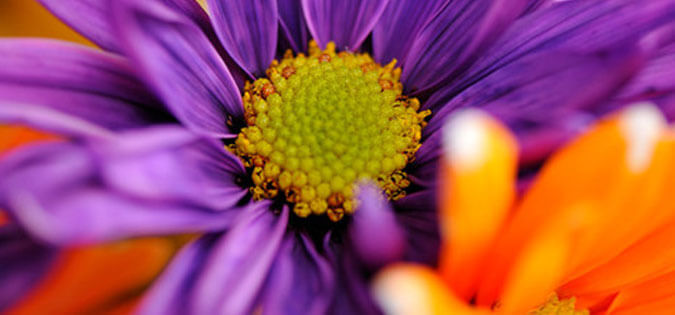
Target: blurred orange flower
point(593, 232)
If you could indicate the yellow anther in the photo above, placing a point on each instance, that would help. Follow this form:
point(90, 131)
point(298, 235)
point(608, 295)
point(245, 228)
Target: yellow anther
point(319, 206)
point(302, 209)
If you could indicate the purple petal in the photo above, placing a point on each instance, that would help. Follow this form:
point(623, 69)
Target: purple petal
point(50, 120)
point(239, 264)
point(293, 24)
point(545, 88)
point(454, 39)
point(580, 25)
point(352, 294)
point(534, 5)
point(168, 294)
point(91, 18)
point(656, 80)
point(346, 22)
point(170, 164)
point(248, 31)
point(54, 191)
point(416, 213)
point(180, 63)
point(300, 282)
point(24, 263)
point(375, 235)
point(93, 85)
point(398, 27)
point(88, 17)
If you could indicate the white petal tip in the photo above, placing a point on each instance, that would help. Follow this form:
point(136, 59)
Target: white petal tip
point(465, 138)
point(642, 124)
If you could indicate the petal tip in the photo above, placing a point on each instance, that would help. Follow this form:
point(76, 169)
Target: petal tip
point(642, 124)
point(465, 138)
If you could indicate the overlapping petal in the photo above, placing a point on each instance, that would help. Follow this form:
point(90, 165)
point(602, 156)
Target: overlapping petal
point(300, 281)
point(398, 27)
point(92, 18)
point(293, 23)
point(115, 205)
point(248, 30)
point(580, 25)
point(346, 22)
point(95, 86)
point(453, 39)
point(177, 60)
point(237, 266)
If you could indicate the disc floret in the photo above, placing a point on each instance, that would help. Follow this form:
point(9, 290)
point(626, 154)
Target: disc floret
point(320, 122)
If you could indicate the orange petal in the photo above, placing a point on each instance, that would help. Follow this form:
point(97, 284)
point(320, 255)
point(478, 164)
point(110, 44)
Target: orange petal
point(86, 279)
point(600, 171)
point(406, 289)
point(477, 190)
point(653, 297)
point(648, 258)
point(640, 201)
point(539, 268)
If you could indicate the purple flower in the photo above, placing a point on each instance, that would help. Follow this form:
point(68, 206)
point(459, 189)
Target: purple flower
point(147, 119)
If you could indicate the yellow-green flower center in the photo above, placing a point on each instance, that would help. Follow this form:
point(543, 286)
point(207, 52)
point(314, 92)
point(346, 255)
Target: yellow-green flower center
point(319, 123)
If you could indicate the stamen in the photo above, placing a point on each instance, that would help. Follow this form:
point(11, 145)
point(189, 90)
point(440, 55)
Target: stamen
point(555, 306)
point(319, 123)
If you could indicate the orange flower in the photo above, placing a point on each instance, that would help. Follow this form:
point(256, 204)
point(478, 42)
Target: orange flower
point(593, 232)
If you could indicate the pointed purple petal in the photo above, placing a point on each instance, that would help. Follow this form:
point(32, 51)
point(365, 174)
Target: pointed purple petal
point(346, 22)
point(180, 63)
point(170, 164)
point(300, 282)
point(95, 86)
point(398, 27)
point(292, 21)
point(24, 263)
point(375, 235)
point(239, 264)
point(248, 31)
point(580, 25)
point(454, 39)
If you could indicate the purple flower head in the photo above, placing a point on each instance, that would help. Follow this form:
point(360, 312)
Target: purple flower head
point(149, 118)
